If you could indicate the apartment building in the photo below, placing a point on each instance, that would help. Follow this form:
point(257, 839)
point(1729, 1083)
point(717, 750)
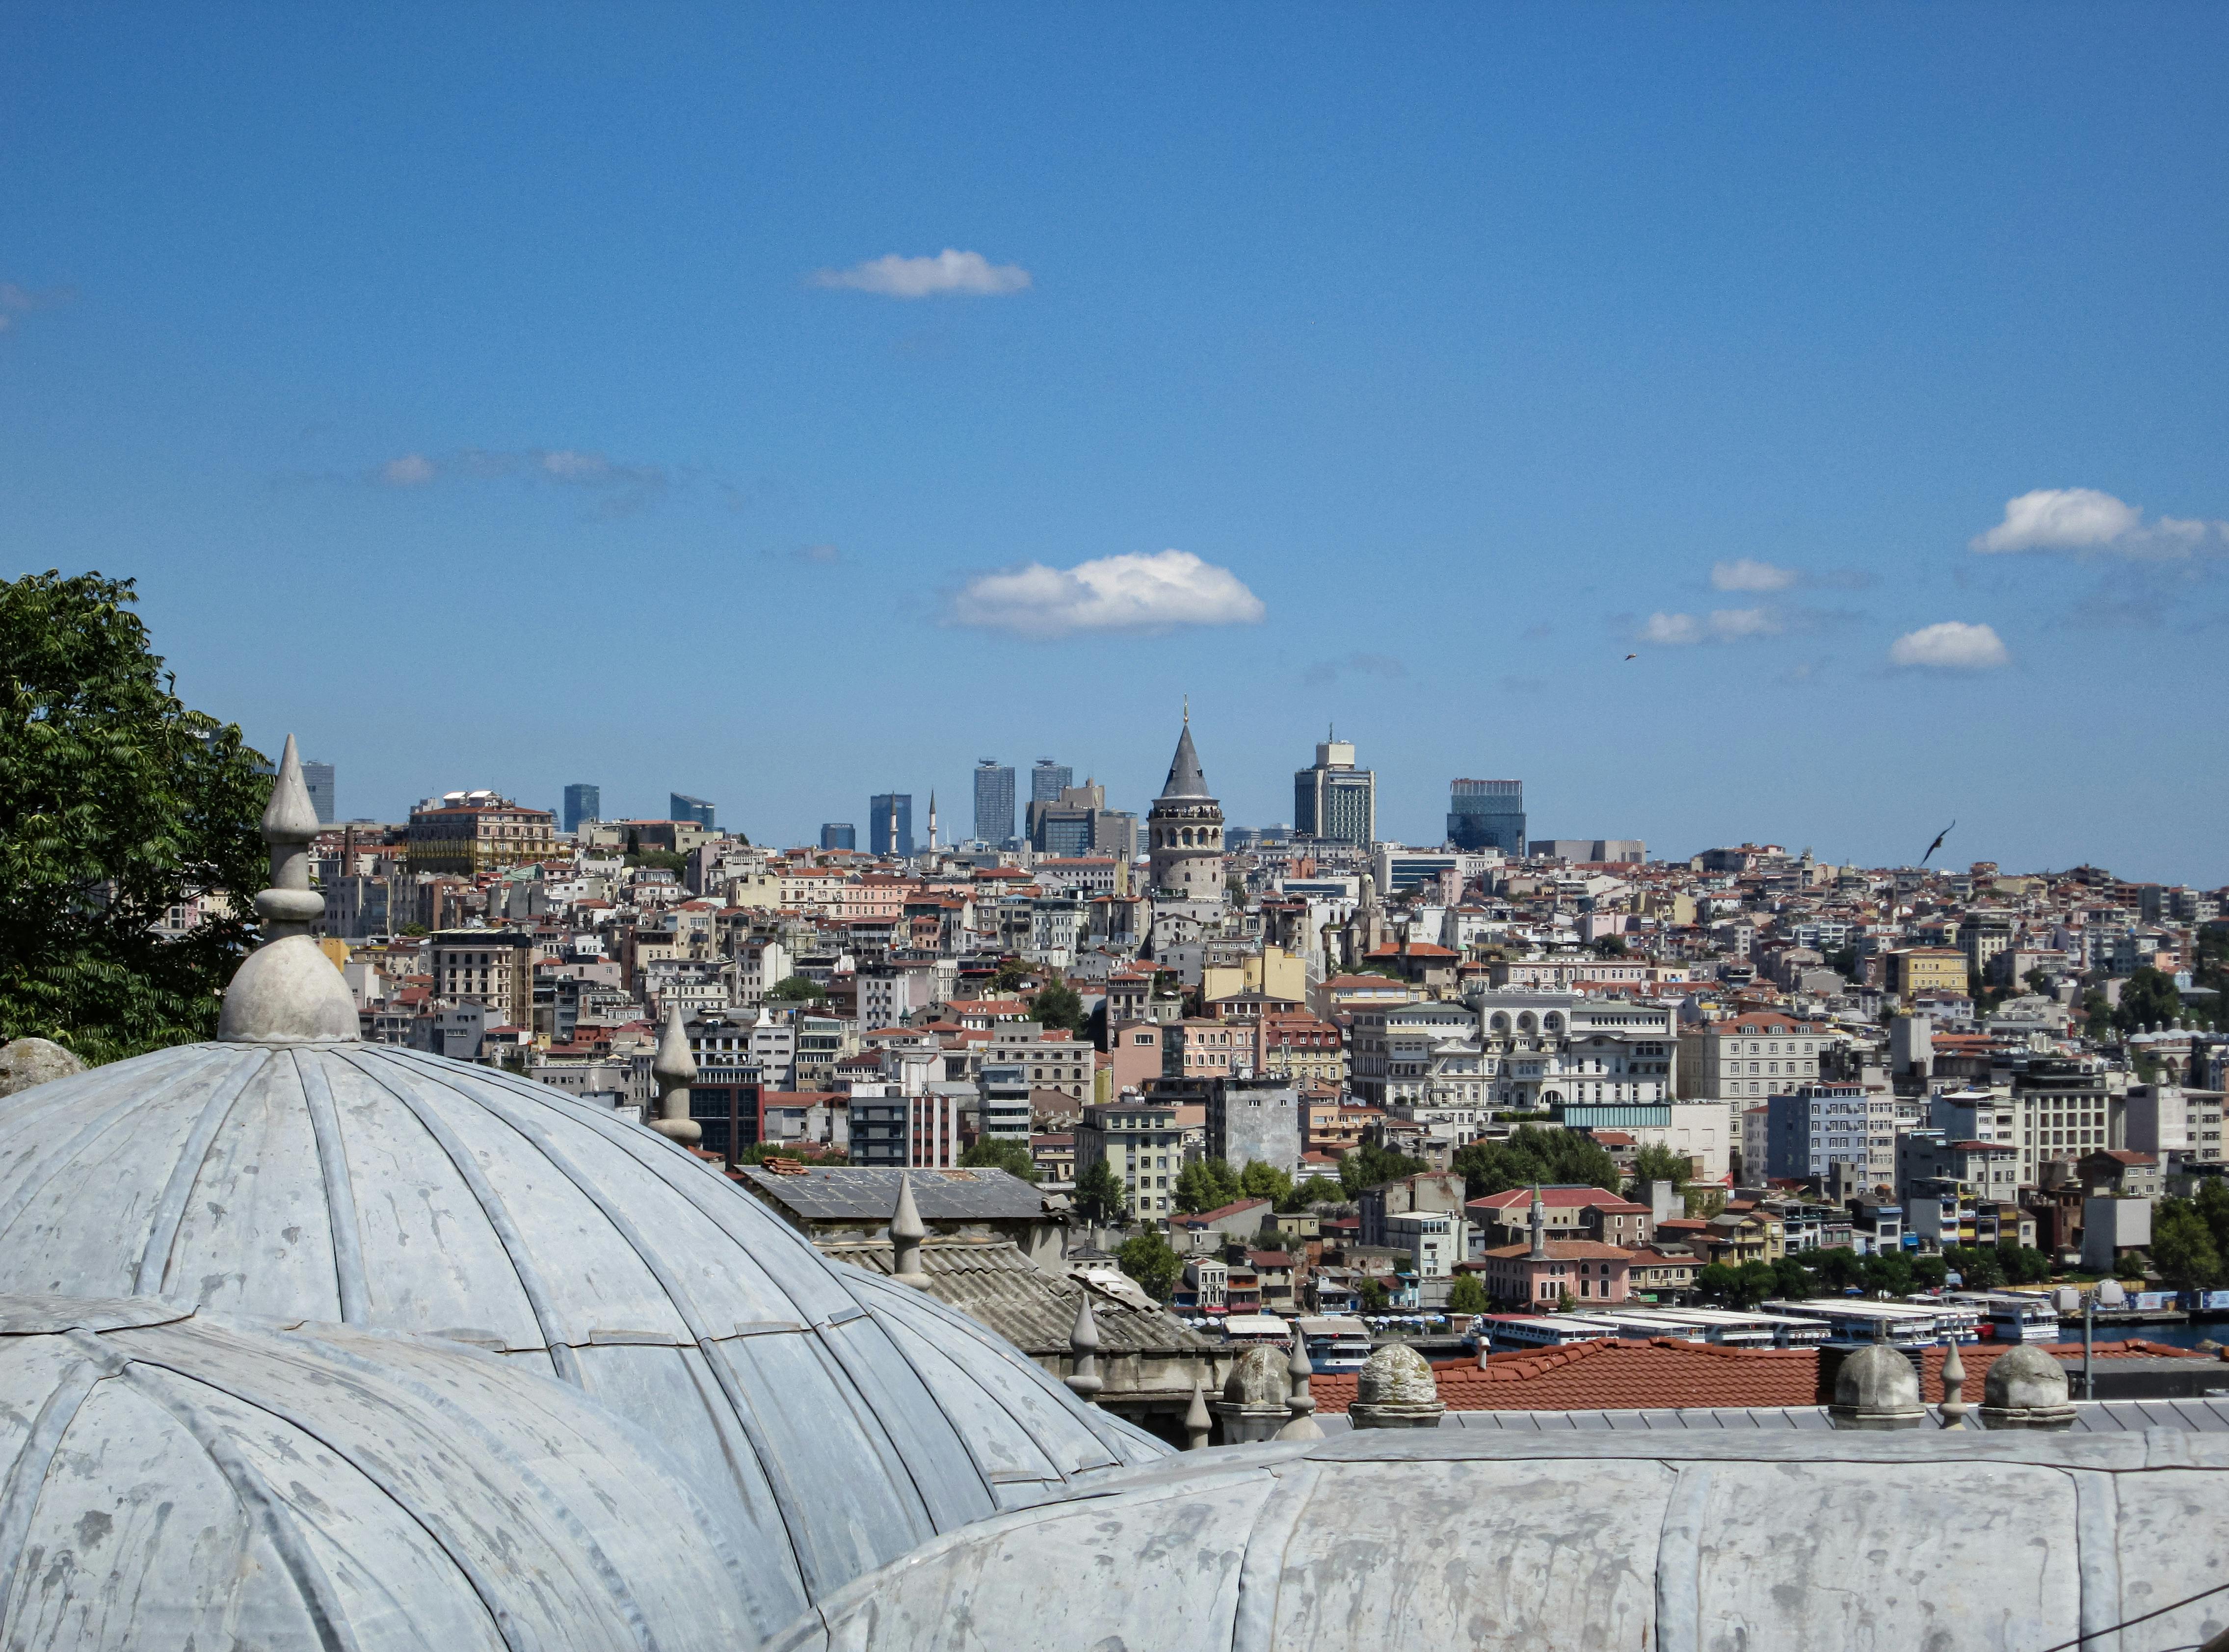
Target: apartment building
point(493, 968)
point(1139, 1141)
point(465, 833)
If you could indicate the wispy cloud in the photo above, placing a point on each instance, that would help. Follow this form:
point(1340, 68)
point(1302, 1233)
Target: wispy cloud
point(1952, 646)
point(1721, 626)
point(1369, 665)
point(2090, 523)
point(22, 301)
point(618, 487)
point(949, 274)
point(1112, 594)
point(1744, 575)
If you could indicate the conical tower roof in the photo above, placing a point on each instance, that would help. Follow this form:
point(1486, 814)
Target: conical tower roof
point(1186, 779)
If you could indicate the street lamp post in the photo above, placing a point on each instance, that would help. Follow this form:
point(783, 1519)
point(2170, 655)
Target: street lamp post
point(2108, 1294)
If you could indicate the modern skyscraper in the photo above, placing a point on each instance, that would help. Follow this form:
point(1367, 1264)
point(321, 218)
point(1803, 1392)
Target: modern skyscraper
point(840, 834)
point(681, 806)
point(582, 802)
point(1334, 800)
point(1186, 829)
point(318, 778)
point(890, 824)
point(1487, 814)
point(994, 803)
point(1047, 779)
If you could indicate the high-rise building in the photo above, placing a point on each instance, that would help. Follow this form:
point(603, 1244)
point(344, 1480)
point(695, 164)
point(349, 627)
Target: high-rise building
point(1334, 800)
point(840, 834)
point(582, 802)
point(994, 803)
point(1487, 814)
point(681, 806)
point(1186, 831)
point(1047, 779)
point(318, 778)
point(1076, 821)
point(889, 825)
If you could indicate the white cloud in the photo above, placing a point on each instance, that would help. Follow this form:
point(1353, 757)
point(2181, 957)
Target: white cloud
point(19, 301)
point(1952, 646)
point(1722, 626)
point(1747, 575)
point(411, 470)
point(2085, 521)
point(1113, 594)
point(948, 274)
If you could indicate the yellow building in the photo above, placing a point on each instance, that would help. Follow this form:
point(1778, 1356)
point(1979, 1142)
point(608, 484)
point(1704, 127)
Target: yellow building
point(465, 833)
point(1925, 968)
point(1273, 972)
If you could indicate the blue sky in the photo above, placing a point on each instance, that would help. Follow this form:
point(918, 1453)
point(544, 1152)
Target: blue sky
point(514, 396)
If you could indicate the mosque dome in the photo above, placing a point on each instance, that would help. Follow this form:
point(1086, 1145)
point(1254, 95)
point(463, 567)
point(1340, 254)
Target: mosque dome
point(1673, 1538)
point(168, 1479)
point(284, 1173)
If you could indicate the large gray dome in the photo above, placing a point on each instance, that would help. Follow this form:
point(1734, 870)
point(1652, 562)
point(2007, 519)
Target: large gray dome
point(1679, 1539)
point(841, 1418)
point(172, 1481)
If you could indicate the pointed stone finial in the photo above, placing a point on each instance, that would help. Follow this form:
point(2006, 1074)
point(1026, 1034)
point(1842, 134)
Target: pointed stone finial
point(1198, 1424)
point(674, 1068)
point(1083, 1350)
point(1954, 1388)
point(1300, 1402)
point(907, 1232)
point(288, 991)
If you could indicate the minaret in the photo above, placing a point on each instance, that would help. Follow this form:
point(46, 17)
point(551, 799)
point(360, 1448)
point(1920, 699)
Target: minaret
point(892, 838)
point(1184, 829)
point(932, 823)
point(1540, 1227)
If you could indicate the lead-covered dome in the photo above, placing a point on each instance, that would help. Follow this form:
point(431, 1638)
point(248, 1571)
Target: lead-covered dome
point(288, 1174)
point(168, 1480)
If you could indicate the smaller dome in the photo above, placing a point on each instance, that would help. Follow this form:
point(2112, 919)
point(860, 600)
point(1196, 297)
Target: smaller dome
point(1395, 1389)
point(2026, 1388)
point(1877, 1387)
point(173, 1479)
point(1258, 1377)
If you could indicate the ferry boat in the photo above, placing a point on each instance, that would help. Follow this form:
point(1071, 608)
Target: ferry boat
point(1335, 1344)
point(1636, 1326)
point(1730, 1328)
point(1507, 1331)
point(1903, 1324)
point(2015, 1316)
point(1244, 1330)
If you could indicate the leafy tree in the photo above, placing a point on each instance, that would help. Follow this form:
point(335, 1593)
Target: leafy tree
point(2038, 983)
point(794, 989)
point(1148, 1259)
point(1929, 1272)
point(2213, 1204)
point(2183, 1246)
point(1205, 1184)
point(1011, 975)
point(1657, 1162)
point(1609, 946)
point(760, 1152)
point(1369, 1166)
point(1836, 1268)
point(1717, 1282)
point(1373, 1295)
point(1099, 1193)
point(413, 930)
point(1058, 1005)
point(1316, 1190)
point(1565, 1302)
point(2024, 1264)
point(633, 843)
point(2148, 998)
point(1790, 1278)
point(1259, 1181)
point(1977, 1265)
point(989, 1153)
point(117, 804)
point(1532, 1155)
point(1895, 1273)
point(1467, 1295)
point(657, 860)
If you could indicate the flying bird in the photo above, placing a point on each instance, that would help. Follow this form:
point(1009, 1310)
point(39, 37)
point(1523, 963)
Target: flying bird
point(1632, 656)
point(1937, 843)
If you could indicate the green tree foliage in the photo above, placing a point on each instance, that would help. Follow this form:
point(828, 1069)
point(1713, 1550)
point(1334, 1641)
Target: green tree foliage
point(1369, 1166)
point(117, 802)
point(1316, 1190)
point(1099, 1193)
point(1836, 1269)
point(760, 1152)
point(1375, 1298)
point(2024, 1264)
point(1742, 1287)
point(1059, 1005)
point(1148, 1259)
point(1978, 1266)
point(1011, 975)
point(1929, 1272)
point(1790, 1278)
point(1656, 1163)
point(794, 989)
point(2184, 1248)
point(657, 860)
point(1205, 1184)
point(2148, 998)
point(1467, 1295)
point(987, 1153)
point(1533, 1154)
point(1259, 1181)
point(1891, 1272)
point(1610, 946)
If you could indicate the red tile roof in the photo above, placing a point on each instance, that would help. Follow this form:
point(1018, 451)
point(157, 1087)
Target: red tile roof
point(1551, 1199)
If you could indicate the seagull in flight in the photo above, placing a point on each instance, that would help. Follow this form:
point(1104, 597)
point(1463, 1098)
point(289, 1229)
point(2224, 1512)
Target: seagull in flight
point(1937, 843)
point(1632, 656)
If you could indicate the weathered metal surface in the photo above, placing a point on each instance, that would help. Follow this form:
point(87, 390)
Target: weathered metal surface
point(1681, 1539)
point(376, 1186)
point(168, 1480)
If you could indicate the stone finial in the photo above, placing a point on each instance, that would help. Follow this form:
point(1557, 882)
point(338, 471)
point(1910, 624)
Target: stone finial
point(2026, 1388)
point(288, 991)
point(1083, 1352)
point(1954, 1406)
point(1253, 1404)
point(1395, 1390)
point(1877, 1388)
point(27, 1062)
point(907, 1232)
point(674, 1069)
point(1196, 1423)
point(1300, 1402)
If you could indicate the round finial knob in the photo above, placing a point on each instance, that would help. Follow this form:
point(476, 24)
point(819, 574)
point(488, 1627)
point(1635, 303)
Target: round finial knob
point(288, 991)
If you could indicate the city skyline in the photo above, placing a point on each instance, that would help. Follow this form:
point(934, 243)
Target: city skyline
point(1757, 423)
